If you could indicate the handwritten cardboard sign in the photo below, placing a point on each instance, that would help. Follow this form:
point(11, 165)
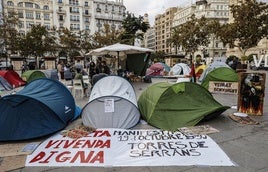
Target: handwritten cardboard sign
point(223, 87)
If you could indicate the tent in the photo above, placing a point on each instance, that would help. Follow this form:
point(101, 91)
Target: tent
point(137, 63)
point(42, 107)
point(4, 85)
point(171, 106)
point(222, 74)
point(112, 104)
point(51, 73)
point(199, 70)
point(211, 67)
point(31, 75)
point(119, 50)
point(12, 78)
point(157, 69)
point(180, 69)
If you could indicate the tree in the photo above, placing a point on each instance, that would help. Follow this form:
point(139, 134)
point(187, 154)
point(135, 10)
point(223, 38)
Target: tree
point(133, 28)
point(249, 27)
point(107, 36)
point(158, 56)
point(192, 34)
point(68, 42)
point(35, 43)
point(8, 32)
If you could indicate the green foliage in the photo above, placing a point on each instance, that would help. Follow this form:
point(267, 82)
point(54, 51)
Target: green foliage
point(133, 28)
point(192, 34)
point(107, 36)
point(157, 56)
point(8, 32)
point(249, 27)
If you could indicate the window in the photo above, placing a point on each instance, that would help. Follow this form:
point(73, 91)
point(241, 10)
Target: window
point(46, 7)
point(21, 33)
point(46, 16)
point(20, 4)
point(86, 4)
point(74, 10)
point(61, 17)
point(29, 15)
point(47, 26)
point(37, 15)
point(20, 14)
point(21, 24)
point(106, 8)
point(28, 5)
point(59, 1)
point(37, 6)
point(29, 25)
point(86, 11)
point(10, 3)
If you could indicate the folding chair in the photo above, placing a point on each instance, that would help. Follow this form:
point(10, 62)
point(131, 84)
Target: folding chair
point(78, 87)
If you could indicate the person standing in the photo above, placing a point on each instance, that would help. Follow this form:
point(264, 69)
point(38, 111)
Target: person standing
point(60, 68)
point(103, 68)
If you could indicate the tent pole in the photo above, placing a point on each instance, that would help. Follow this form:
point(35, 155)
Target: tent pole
point(117, 60)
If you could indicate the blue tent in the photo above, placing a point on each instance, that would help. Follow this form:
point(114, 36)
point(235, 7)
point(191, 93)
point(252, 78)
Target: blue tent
point(42, 107)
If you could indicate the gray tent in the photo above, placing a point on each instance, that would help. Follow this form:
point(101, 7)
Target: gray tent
point(4, 85)
point(112, 104)
point(51, 73)
point(211, 67)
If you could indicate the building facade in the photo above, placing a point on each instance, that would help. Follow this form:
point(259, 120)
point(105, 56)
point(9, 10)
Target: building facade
point(75, 15)
point(211, 9)
point(149, 38)
point(31, 13)
point(163, 28)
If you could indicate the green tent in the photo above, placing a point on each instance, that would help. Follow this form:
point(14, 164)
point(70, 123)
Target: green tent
point(31, 75)
point(223, 74)
point(137, 63)
point(171, 106)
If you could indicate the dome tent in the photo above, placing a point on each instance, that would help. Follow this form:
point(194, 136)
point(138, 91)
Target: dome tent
point(42, 107)
point(4, 85)
point(171, 106)
point(157, 69)
point(221, 74)
point(180, 69)
point(31, 75)
point(12, 78)
point(211, 67)
point(51, 73)
point(123, 111)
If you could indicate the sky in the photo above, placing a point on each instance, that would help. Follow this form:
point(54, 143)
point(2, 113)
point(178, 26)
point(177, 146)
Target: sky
point(152, 7)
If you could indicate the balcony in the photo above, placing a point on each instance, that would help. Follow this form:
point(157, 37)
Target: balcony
point(98, 10)
point(61, 11)
point(87, 14)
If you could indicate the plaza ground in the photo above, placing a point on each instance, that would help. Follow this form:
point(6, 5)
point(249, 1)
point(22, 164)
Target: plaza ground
point(246, 145)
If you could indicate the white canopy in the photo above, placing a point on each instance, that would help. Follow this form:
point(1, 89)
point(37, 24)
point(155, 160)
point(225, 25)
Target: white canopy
point(119, 50)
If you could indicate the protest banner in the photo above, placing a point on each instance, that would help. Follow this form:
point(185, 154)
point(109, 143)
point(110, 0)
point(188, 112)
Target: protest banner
point(119, 147)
